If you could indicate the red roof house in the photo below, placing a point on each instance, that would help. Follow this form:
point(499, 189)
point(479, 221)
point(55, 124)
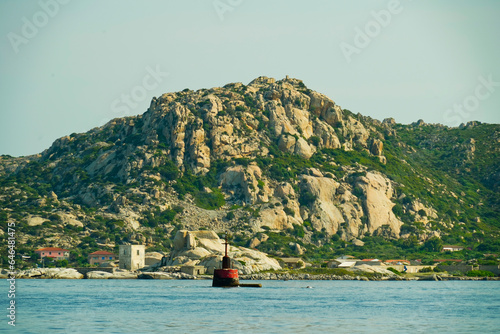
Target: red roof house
point(53, 252)
point(100, 257)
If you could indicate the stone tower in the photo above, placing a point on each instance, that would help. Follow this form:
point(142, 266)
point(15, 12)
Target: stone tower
point(132, 257)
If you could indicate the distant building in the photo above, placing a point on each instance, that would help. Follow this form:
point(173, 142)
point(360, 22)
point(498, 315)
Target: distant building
point(370, 262)
point(397, 262)
point(343, 262)
point(293, 262)
point(132, 257)
point(193, 270)
point(450, 248)
point(346, 264)
point(100, 257)
point(53, 252)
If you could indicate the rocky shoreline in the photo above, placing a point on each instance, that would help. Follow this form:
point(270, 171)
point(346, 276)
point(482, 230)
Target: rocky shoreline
point(286, 276)
point(70, 273)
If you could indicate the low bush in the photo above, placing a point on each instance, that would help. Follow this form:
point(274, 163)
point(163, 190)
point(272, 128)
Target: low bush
point(397, 272)
point(479, 273)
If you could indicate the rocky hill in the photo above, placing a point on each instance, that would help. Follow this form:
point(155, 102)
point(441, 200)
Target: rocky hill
point(283, 168)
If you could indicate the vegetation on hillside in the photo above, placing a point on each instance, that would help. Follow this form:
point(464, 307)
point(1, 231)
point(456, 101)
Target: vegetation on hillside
point(453, 171)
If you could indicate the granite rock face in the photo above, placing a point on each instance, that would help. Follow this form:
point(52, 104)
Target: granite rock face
point(278, 157)
point(207, 250)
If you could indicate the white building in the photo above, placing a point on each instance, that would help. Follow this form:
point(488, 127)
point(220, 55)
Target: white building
point(132, 257)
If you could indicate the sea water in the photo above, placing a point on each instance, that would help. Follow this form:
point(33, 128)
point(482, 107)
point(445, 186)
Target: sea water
point(193, 306)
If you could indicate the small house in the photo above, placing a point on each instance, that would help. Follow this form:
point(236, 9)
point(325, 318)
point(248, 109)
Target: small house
point(293, 262)
point(193, 270)
point(451, 248)
point(55, 253)
point(101, 257)
point(343, 262)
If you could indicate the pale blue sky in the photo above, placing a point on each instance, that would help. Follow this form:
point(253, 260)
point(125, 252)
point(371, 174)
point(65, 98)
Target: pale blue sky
point(74, 72)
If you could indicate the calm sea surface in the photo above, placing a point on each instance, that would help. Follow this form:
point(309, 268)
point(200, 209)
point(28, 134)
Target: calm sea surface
point(186, 306)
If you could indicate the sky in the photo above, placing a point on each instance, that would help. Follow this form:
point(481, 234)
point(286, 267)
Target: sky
point(68, 66)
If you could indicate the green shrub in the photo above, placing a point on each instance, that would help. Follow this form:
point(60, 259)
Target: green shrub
point(479, 273)
point(397, 272)
point(315, 140)
point(306, 198)
point(210, 201)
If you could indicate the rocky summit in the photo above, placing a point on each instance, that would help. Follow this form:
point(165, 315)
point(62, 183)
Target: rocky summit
point(283, 168)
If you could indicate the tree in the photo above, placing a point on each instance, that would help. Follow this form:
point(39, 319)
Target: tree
point(410, 243)
point(434, 244)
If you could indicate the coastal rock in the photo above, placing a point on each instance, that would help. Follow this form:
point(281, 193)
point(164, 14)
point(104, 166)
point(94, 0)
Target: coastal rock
point(54, 273)
point(373, 269)
point(99, 275)
point(124, 274)
point(152, 258)
point(210, 251)
point(156, 275)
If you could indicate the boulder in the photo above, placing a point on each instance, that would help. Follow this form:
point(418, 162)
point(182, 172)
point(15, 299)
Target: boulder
point(152, 258)
point(285, 189)
point(244, 259)
point(254, 243)
point(357, 242)
point(124, 274)
point(35, 220)
point(99, 275)
point(155, 275)
point(376, 147)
